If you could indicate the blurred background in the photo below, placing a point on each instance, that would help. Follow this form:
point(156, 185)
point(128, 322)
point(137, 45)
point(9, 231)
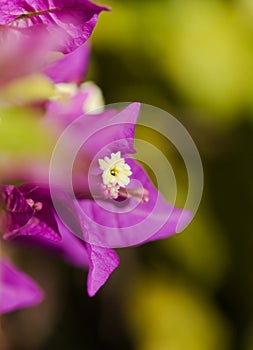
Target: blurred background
point(194, 291)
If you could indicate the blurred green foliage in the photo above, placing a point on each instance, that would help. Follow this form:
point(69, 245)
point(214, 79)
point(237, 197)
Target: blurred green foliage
point(21, 134)
point(202, 50)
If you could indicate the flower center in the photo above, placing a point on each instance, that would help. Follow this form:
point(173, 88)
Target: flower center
point(114, 172)
point(116, 176)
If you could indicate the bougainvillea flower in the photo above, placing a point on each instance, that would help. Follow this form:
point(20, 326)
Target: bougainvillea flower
point(27, 217)
point(114, 203)
point(107, 225)
point(100, 229)
point(22, 213)
point(17, 290)
point(71, 100)
point(77, 18)
point(141, 215)
point(100, 261)
point(110, 213)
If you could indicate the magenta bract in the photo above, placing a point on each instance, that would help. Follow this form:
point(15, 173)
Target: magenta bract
point(17, 290)
point(76, 18)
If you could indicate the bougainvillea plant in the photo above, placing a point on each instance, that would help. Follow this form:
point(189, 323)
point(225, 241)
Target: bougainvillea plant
point(104, 168)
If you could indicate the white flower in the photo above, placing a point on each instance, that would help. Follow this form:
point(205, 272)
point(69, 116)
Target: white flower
point(94, 99)
point(64, 91)
point(115, 174)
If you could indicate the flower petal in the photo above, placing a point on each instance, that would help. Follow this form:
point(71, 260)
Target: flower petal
point(34, 227)
point(94, 135)
point(71, 248)
point(16, 210)
point(33, 55)
point(17, 290)
point(110, 131)
point(174, 219)
point(103, 262)
point(76, 17)
point(71, 67)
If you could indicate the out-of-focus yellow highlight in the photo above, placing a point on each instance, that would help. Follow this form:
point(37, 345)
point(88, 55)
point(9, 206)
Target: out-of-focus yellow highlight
point(28, 89)
point(172, 316)
point(25, 144)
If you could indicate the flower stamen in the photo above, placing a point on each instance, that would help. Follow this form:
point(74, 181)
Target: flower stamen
point(140, 194)
point(114, 172)
point(35, 205)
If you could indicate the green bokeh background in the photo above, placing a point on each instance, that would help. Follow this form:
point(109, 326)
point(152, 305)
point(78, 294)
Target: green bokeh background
point(194, 291)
